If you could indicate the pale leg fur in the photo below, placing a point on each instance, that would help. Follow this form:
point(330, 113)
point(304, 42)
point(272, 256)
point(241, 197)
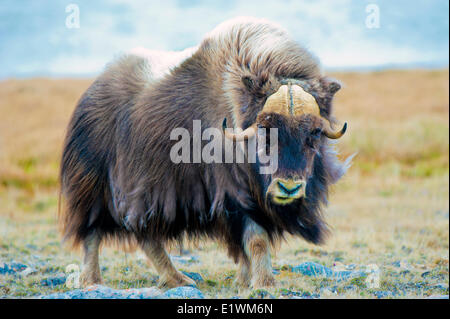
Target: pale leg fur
point(90, 274)
point(169, 275)
point(243, 274)
point(257, 248)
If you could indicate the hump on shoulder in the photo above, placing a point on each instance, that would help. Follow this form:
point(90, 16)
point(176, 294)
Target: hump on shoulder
point(161, 62)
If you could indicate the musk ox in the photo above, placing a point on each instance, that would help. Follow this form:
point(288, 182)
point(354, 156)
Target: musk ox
point(119, 183)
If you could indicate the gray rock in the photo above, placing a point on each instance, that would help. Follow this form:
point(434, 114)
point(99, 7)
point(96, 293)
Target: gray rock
point(12, 268)
point(383, 294)
point(261, 294)
point(442, 286)
point(143, 293)
point(54, 281)
point(317, 270)
point(291, 294)
point(183, 293)
point(351, 267)
point(438, 297)
point(28, 271)
point(313, 270)
point(103, 292)
point(194, 276)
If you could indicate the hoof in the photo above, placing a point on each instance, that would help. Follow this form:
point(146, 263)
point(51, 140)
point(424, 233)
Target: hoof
point(90, 278)
point(178, 280)
point(264, 282)
point(242, 280)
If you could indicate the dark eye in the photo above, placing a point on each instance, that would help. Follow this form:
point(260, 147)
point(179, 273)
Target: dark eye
point(316, 133)
point(314, 136)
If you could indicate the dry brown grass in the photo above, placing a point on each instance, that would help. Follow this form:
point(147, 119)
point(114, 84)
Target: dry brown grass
point(392, 206)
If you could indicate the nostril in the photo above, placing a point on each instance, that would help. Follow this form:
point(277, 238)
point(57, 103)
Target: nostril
point(289, 190)
point(283, 188)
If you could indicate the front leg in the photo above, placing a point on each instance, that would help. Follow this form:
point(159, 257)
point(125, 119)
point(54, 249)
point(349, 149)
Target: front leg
point(257, 249)
point(90, 274)
point(243, 274)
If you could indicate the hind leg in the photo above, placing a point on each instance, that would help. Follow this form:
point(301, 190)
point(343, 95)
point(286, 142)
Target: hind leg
point(90, 274)
point(169, 275)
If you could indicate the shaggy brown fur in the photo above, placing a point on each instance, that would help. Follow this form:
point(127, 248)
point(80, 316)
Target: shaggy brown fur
point(117, 177)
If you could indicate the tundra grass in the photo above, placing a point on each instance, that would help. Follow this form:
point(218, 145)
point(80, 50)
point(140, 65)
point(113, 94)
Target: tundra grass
point(391, 209)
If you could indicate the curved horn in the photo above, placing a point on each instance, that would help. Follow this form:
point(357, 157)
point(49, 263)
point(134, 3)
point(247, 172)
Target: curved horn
point(244, 135)
point(335, 135)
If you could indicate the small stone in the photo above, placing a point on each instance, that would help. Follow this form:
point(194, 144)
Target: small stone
point(4, 269)
point(383, 294)
point(260, 294)
point(438, 297)
point(143, 293)
point(194, 276)
point(17, 266)
point(183, 293)
point(296, 294)
point(317, 270)
point(350, 267)
point(54, 281)
point(351, 287)
point(103, 292)
point(312, 269)
point(11, 268)
point(28, 271)
point(442, 286)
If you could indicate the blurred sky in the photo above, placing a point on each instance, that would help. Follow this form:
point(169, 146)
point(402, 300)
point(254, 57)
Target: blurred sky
point(34, 39)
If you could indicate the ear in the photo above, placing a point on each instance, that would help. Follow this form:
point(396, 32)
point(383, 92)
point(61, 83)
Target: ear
point(330, 85)
point(256, 85)
point(328, 88)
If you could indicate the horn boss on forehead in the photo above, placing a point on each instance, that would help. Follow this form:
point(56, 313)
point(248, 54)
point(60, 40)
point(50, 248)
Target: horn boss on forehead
point(289, 100)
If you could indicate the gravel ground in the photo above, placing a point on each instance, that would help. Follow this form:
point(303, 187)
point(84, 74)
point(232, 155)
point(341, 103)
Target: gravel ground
point(335, 280)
